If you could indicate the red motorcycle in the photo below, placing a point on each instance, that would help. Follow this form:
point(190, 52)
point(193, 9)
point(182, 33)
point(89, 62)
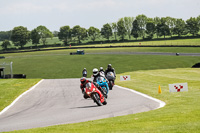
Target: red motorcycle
point(94, 93)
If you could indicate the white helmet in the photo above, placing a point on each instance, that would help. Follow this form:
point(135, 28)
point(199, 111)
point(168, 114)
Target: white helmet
point(95, 71)
point(101, 68)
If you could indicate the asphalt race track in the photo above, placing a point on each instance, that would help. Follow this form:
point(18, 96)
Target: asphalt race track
point(149, 53)
point(60, 101)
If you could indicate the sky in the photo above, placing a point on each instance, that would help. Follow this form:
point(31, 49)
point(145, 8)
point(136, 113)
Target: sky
point(57, 13)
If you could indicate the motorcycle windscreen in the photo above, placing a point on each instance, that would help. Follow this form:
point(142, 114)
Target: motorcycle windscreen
point(110, 76)
point(88, 85)
point(100, 79)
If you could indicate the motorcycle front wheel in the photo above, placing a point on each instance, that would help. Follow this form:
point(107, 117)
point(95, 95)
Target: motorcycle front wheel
point(104, 92)
point(111, 85)
point(96, 99)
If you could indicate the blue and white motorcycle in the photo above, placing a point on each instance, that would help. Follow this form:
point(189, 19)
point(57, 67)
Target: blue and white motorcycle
point(104, 85)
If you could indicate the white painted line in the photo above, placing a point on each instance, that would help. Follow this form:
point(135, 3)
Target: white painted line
point(33, 87)
point(162, 104)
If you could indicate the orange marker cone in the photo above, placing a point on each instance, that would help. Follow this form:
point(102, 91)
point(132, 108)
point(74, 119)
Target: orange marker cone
point(159, 90)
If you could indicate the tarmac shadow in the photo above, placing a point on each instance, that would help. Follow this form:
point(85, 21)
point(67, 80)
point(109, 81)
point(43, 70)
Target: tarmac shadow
point(93, 106)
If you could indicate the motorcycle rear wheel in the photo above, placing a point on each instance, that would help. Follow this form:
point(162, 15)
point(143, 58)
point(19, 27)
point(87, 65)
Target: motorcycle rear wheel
point(105, 102)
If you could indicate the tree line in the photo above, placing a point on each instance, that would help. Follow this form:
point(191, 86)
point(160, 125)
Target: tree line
point(137, 27)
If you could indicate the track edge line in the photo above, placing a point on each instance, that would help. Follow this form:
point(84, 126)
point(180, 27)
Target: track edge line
point(162, 104)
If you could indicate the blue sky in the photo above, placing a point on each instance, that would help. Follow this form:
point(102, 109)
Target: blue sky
point(56, 13)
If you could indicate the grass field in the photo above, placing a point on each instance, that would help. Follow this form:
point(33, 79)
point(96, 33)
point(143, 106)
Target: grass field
point(146, 43)
point(181, 114)
point(55, 40)
point(59, 65)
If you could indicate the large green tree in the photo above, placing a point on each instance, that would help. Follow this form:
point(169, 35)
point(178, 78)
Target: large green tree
point(93, 33)
point(5, 44)
point(106, 31)
point(192, 26)
point(135, 30)
point(162, 29)
point(35, 37)
point(65, 34)
point(142, 21)
point(121, 28)
point(20, 36)
point(5, 35)
point(128, 21)
point(150, 29)
point(198, 21)
point(170, 22)
point(180, 27)
point(79, 33)
point(114, 29)
point(157, 20)
point(44, 33)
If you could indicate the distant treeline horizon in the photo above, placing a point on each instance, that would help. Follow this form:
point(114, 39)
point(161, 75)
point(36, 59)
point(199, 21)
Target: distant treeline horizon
point(128, 28)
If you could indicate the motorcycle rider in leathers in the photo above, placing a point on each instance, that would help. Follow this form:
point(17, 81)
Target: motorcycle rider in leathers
point(84, 72)
point(110, 69)
point(97, 74)
point(101, 71)
point(84, 81)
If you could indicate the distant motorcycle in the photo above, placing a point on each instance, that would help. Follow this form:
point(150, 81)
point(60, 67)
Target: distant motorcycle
point(104, 85)
point(84, 73)
point(111, 78)
point(95, 94)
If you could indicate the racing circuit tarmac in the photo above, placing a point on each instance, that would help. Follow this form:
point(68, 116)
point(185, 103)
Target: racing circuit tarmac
point(60, 101)
point(149, 53)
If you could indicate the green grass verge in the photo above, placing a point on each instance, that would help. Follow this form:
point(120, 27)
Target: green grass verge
point(181, 114)
point(10, 89)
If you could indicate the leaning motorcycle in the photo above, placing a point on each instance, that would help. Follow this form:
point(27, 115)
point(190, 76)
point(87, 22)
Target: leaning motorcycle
point(104, 85)
point(95, 94)
point(111, 78)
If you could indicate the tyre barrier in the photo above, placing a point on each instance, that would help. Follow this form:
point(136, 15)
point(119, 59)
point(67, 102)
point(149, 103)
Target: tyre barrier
point(16, 76)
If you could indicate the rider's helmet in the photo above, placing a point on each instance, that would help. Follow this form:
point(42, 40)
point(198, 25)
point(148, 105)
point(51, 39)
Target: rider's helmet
point(84, 69)
point(101, 69)
point(83, 80)
point(109, 66)
point(95, 72)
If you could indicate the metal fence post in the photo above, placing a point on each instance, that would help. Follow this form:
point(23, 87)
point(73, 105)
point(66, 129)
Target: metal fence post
point(11, 70)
